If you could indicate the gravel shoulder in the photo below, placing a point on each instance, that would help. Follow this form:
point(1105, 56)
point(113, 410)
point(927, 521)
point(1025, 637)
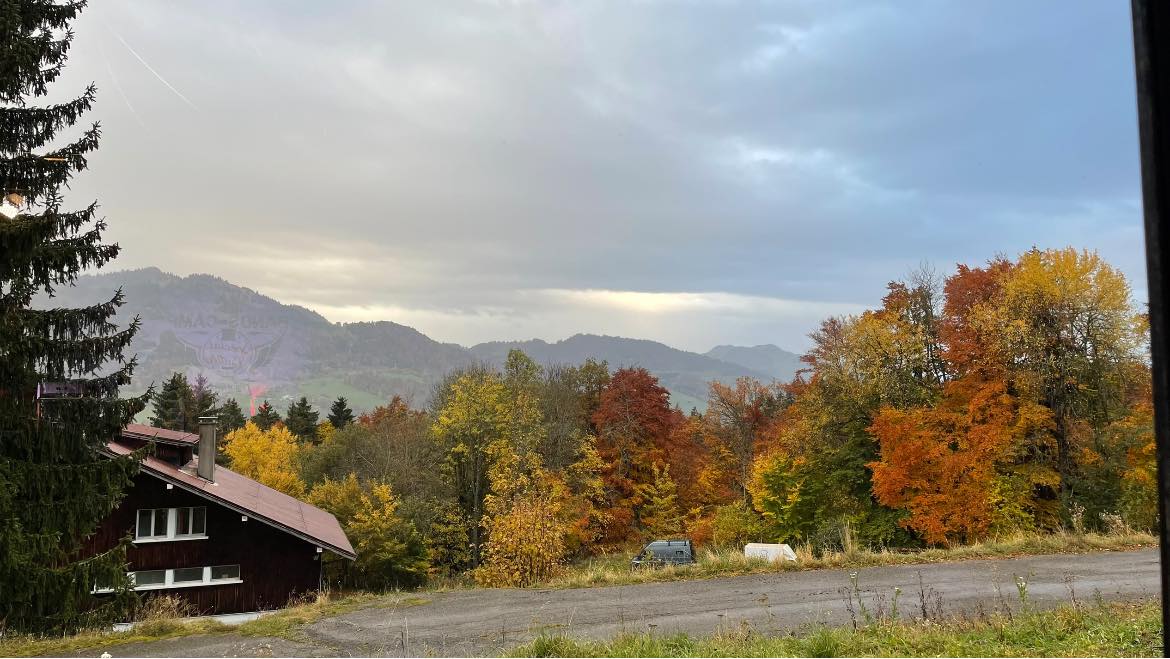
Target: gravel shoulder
point(491, 621)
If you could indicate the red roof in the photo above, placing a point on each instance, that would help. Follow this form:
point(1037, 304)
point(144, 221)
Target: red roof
point(257, 501)
point(150, 433)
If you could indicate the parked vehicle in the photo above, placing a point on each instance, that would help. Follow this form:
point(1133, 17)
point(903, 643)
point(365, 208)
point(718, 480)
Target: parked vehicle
point(665, 552)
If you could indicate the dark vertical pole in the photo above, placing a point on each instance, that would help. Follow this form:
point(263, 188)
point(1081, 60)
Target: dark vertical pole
point(1151, 38)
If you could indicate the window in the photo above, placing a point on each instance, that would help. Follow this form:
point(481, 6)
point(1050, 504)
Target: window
point(161, 524)
point(148, 578)
point(191, 521)
point(180, 577)
point(187, 574)
point(152, 523)
point(221, 572)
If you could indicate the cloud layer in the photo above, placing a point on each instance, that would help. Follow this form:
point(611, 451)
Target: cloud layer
point(695, 173)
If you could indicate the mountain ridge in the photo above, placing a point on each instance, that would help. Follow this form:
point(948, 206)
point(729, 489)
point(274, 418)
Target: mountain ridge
point(252, 347)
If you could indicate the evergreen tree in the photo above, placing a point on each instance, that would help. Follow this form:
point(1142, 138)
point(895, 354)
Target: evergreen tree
point(55, 486)
point(265, 416)
point(174, 405)
point(203, 400)
point(301, 420)
point(340, 415)
point(231, 417)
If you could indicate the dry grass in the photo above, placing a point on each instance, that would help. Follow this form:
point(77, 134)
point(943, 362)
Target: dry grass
point(164, 617)
point(614, 569)
point(288, 623)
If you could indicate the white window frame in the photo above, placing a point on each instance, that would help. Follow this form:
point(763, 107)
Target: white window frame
point(169, 582)
point(153, 518)
point(190, 519)
point(172, 534)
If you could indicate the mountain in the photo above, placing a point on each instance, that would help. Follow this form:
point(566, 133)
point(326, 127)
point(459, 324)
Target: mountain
point(685, 374)
point(252, 347)
point(776, 362)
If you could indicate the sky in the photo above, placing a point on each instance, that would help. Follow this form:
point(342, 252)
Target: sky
point(696, 173)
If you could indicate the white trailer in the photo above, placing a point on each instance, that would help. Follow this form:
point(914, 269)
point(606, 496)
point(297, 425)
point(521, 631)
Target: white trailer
point(769, 552)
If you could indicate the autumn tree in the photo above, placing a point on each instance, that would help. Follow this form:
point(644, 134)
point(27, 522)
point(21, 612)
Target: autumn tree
point(660, 516)
point(390, 552)
point(267, 456)
point(634, 421)
point(522, 521)
point(1066, 327)
point(738, 417)
point(325, 432)
point(478, 417)
point(952, 466)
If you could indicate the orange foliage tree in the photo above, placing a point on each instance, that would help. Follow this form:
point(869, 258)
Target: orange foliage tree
point(634, 421)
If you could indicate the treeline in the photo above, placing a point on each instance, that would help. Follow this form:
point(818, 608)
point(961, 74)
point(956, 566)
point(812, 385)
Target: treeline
point(1009, 397)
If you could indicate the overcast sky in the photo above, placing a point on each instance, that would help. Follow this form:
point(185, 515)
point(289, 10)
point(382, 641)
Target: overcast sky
point(694, 173)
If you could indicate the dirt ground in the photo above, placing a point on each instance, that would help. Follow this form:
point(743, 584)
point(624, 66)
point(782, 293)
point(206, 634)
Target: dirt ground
point(489, 622)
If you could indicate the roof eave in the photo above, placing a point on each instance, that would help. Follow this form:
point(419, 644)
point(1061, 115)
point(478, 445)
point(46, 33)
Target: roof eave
point(244, 511)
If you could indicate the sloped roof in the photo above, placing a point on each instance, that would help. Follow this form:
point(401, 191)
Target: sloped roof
point(257, 501)
point(150, 433)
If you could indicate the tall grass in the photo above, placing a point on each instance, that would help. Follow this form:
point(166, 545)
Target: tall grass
point(1105, 629)
point(614, 569)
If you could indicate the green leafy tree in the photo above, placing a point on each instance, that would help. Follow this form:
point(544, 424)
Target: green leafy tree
point(265, 416)
point(340, 415)
point(301, 420)
point(174, 405)
point(55, 486)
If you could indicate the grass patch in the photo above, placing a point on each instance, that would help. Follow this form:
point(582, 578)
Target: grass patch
point(288, 623)
point(1113, 629)
point(57, 646)
point(614, 569)
point(285, 623)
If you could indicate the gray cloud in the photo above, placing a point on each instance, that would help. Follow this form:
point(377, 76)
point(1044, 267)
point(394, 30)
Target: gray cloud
point(450, 164)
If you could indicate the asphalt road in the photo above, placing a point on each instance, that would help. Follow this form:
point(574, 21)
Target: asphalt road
point(488, 622)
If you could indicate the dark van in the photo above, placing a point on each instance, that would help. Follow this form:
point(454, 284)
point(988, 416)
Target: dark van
point(665, 552)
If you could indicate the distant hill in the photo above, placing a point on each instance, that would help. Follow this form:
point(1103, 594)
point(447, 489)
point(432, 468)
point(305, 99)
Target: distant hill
point(775, 362)
point(252, 347)
point(685, 374)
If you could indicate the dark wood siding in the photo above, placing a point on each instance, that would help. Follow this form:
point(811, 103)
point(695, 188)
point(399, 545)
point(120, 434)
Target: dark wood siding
point(275, 566)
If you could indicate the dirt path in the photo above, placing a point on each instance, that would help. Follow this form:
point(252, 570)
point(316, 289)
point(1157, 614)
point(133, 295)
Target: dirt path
point(488, 622)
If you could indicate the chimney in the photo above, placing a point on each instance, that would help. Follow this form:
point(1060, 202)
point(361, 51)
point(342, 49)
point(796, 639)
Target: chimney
point(207, 431)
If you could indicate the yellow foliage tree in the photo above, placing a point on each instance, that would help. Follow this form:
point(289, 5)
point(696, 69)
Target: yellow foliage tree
point(389, 551)
point(522, 517)
point(480, 421)
point(325, 432)
point(269, 457)
point(660, 515)
point(1065, 326)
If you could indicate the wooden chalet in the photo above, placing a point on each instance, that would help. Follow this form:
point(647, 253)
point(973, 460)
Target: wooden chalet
point(219, 540)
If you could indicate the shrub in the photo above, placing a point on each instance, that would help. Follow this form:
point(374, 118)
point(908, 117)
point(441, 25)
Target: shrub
point(736, 524)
